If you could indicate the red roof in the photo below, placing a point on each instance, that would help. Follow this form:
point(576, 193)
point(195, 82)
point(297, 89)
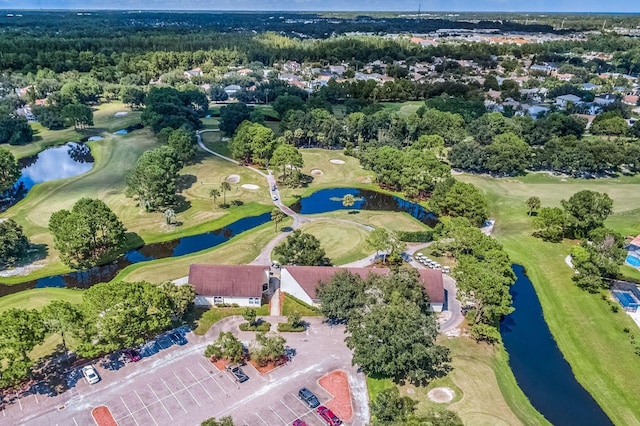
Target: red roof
point(309, 277)
point(228, 280)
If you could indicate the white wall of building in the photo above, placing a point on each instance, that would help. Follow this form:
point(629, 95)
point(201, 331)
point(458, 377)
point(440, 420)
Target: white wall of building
point(240, 301)
point(289, 285)
point(436, 307)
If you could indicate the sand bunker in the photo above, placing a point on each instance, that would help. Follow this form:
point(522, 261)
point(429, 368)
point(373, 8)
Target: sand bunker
point(336, 161)
point(95, 138)
point(317, 172)
point(441, 395)
point(233, 178)
point(120, 114)
point(250, 186)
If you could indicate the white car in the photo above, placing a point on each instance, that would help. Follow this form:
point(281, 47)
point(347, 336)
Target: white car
point(275, 198)
point(90, 374)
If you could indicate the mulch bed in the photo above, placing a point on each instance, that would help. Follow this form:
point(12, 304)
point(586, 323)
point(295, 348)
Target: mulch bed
point(337, 384)
point(269, 367)
point(103, 417)
point(220, 364)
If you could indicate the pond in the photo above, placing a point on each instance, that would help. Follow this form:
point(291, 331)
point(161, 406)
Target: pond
point(371, 200)
point(538, 365)
point(328, 200)
point(60, 162)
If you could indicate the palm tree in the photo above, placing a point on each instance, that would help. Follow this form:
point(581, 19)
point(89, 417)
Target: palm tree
point(224, 187)
point(277, 216)
point(348, 200)
point(169, 216)
point(533, 203)
point(214, 193)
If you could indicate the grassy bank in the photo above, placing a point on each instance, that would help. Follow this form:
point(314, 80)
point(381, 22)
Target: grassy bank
point(343, 242)
point(38, 298)
point(588, 333)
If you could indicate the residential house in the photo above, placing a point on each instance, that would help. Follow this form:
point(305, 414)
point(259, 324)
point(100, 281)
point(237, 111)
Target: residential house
point(243, 285)
point(605, 99)
point(232, 89)
point(303, 281)
point(589, 86)
point(563, 100)
point(631, 100)
point(196, 72)
point(337, 69)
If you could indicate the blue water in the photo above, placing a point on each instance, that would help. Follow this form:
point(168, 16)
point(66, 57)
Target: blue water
point(121, 132)
point(538, 365)
point(633, 261)
point(625, 299)
point(60, 162)
point(328, 200)
point(192, 244)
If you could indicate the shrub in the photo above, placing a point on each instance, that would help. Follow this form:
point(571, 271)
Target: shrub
point(286, 327)
point(262, 326)
point(416, 236)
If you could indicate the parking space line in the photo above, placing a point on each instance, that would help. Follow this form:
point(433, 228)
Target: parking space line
point(159, 400)
point(187, 389)
point(74, 421)
point(146, 407)
point(283, 403)
point(200, 383)
point(214, 379)
point(19, 403)
point(36, 397)
point(284, 422)
point(174, 395)
point(129, 410)
point(229, 376)
point(258, 415)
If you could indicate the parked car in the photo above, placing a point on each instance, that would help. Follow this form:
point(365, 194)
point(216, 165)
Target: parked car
point(308, 397)
point(328, 416)
point(298, 422)
point(132, 355)
point(240, 375)
point(275, 198)
point(90, 374)
point(446, 269)
point(177, 338)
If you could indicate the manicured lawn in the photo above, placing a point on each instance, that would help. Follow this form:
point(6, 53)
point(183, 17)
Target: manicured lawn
point(213, 141)
point(206, 317)
point(343, 242)
point(393, 221)
point(241, 249)
point(292, 304)
point(589, 335)
point(38, 298)
point(104, 122)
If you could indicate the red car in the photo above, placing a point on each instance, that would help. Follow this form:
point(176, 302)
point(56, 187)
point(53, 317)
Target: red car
point(328, 416)
point(132, 355)
point(298, 422)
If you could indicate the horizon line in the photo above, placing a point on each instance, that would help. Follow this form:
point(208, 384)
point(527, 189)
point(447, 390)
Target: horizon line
point(317, 11)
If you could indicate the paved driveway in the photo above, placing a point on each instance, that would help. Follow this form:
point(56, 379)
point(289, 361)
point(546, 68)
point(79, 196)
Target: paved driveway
point(177, 385)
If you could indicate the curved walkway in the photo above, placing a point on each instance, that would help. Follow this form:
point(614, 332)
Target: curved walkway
point(264, 258)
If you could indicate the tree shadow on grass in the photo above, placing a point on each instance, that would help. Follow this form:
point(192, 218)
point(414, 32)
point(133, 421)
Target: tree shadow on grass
point(185, 182)
point(182, 204)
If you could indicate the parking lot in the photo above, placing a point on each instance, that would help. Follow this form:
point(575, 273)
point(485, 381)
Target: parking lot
point(177, 385)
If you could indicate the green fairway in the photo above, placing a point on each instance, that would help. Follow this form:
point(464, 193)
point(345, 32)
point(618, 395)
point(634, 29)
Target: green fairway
point(38, 298)
point(343, 242)
point(588, 333)
point(104, 120)
point(213, 141)
point(239, 250)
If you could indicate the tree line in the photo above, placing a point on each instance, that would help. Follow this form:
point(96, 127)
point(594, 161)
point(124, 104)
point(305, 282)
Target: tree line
point(111, 316)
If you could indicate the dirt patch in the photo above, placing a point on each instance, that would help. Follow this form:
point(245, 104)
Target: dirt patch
point(269, 367)
point(250, 186)
point(441, 395)
point(337, 384)
point(120, 114)
point(317, 172)
point(233, 179)
point(336, 161)
point(21, 270)
point(103, 417)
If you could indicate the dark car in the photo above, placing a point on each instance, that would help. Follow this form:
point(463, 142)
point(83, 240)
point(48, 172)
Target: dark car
point(240, 375)
point(132, 355)
point(328, 416)
point(298, 422)
point(308, 397)
point(178, 338)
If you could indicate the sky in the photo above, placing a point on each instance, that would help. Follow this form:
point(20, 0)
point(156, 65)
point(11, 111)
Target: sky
point(627, 6)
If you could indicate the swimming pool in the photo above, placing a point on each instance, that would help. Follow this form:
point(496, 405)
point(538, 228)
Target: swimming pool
point(626, 299)
point(633, 261)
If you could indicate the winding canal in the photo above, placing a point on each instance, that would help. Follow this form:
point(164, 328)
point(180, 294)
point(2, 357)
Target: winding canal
point(538, 365)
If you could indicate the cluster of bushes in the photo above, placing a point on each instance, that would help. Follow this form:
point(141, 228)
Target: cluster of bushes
point(253, 324)
point(415, 236)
